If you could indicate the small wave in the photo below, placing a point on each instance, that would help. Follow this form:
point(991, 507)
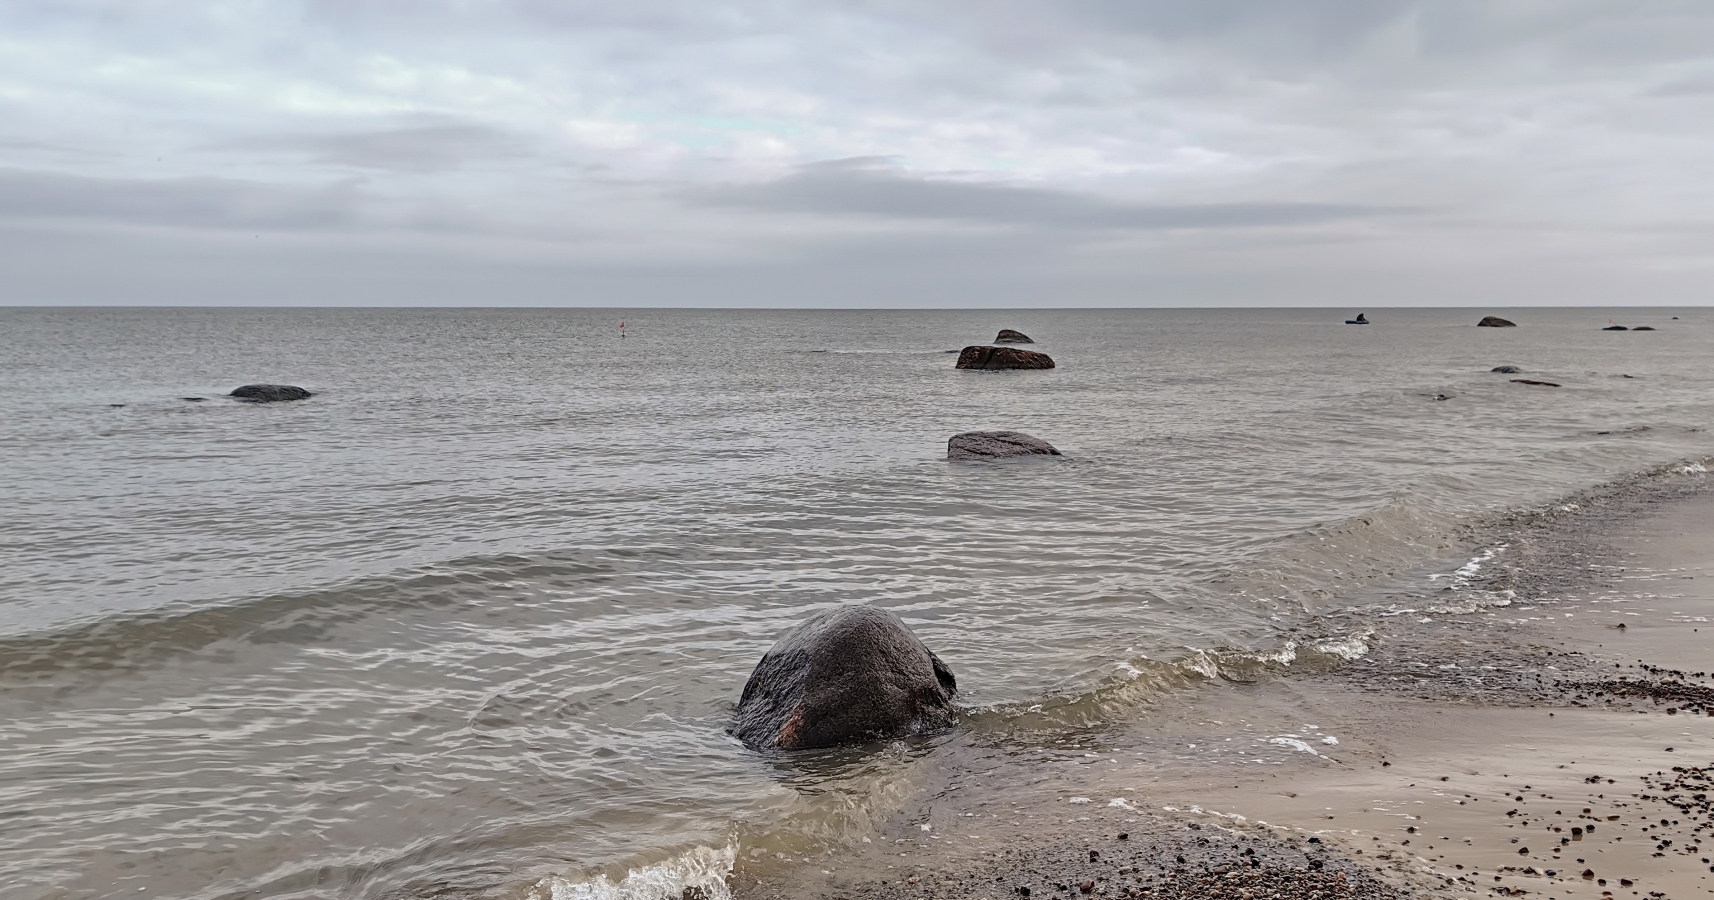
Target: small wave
point(700, 873)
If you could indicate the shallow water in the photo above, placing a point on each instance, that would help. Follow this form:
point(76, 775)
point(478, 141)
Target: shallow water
point(475, 615)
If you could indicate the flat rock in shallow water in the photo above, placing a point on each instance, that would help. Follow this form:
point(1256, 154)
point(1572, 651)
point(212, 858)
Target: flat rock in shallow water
point(1537, 383)
point(1002, 358)
point(1008, 336)
point(996, 445)
point(848, 675)
point(1506, 370)
point(1495, 322)
point(270, 393)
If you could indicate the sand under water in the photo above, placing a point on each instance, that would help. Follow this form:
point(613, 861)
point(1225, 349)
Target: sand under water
point(1549, 732)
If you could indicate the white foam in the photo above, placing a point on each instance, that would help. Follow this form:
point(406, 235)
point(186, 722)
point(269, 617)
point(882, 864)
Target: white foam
point(1295, 744)
point(703, 868)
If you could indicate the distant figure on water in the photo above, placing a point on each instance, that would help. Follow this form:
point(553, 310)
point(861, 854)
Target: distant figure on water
point(1360, 320)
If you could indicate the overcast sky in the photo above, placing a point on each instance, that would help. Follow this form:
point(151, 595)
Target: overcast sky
point(895, 153)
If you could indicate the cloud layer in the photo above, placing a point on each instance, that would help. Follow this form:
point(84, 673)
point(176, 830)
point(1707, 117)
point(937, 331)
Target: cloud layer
point(865, 152)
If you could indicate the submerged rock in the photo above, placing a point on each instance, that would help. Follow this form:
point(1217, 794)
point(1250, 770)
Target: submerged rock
point(1506, 370)
point(996, 445)
point(1615, 328)
point(1002, 358)
point(1495, 322)
point(1008, 336)
point(848, 675)
point(1537, 383)
point(270, 393)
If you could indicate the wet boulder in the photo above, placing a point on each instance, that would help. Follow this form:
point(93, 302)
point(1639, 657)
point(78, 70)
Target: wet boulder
point(847, 675)
point(1002, 358)
point(1506, 370)
point(996, 445)
point(1008, 336)
point(1495, 322)
point(270, 393)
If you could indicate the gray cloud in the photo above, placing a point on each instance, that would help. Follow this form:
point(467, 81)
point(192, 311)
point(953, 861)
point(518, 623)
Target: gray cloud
point(863, 186)
point(419, 147)
point(210, 203)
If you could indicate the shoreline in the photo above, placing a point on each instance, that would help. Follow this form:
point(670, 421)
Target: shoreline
point(1314, 779)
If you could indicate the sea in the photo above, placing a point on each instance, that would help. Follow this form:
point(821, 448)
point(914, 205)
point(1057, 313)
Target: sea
point(471, 621)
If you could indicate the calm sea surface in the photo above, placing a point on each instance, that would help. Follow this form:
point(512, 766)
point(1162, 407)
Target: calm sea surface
point(470, 622)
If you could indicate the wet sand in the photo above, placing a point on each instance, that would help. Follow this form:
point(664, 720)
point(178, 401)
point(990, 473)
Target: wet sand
point(1530, 747)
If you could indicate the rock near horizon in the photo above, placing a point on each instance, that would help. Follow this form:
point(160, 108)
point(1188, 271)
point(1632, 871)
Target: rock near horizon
point(1002, 358)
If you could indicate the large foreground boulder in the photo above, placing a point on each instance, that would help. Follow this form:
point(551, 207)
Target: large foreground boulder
point(1008, 336)
point(996, 445)
point(270, 393)
point(848, 675)
point(1495, 322)
point(1002, 358)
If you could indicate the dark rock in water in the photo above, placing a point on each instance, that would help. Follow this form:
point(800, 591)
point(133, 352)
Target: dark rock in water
point(1539, 383)
point(193, 399)
point(1643, 328)
point(848, 675)
point(1008, 336)
point(996, 445)
point(1506, 370)
point(1495, 322)
point(1002, 358)
point(117, 405)
point(1615, 328)
point(270, 393)
point(1442, 397)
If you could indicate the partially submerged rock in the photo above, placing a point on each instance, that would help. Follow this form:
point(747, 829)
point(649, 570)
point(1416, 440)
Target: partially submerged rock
point(1643, 328)
point(1506, 370)
point(1615, 328)
point(270, 393)
point(1008, 336)
point(848, 675)
point(1537, 383)
point(996, 445)
point(1002, 358)
point(1495, 322)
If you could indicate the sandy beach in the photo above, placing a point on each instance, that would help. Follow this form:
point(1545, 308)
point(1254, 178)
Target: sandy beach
point(1550, 733)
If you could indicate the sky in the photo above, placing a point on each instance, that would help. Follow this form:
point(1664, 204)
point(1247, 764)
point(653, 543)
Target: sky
point(857, 153)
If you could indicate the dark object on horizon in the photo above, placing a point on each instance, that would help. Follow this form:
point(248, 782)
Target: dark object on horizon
point(1615, 328)
point(1495, 322)
point(996, 445)
point(1002, 358)
point(848, 675)
point(269, 393)
point(1506, 370)
point(1643, 328)
point(1528, 381)
point(1008, 336)
point(1360, 320)
point(193, 399)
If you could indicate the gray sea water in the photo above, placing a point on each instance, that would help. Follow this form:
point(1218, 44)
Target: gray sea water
point(470, 622)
